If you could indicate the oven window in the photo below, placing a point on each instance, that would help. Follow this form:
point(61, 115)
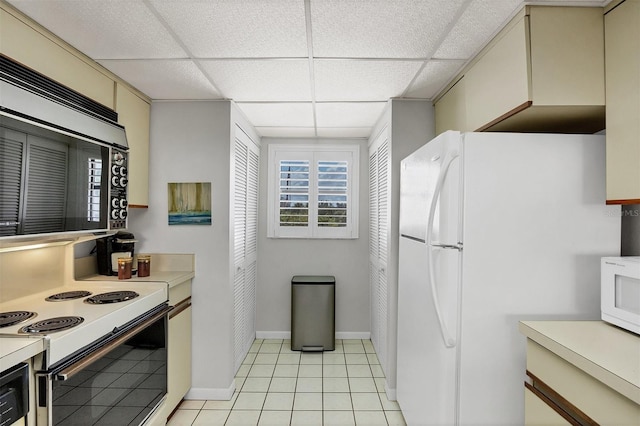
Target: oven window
point(121, 388)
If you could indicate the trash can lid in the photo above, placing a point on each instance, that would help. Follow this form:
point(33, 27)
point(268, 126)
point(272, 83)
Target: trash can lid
point(313, 279)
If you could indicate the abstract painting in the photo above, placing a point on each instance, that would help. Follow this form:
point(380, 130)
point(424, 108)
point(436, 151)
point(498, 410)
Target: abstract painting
point(189, 203)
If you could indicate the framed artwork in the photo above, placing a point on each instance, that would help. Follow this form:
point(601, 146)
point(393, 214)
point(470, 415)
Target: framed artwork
point(189, 203)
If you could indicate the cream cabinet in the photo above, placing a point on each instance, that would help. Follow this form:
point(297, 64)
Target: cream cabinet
point(134, 114)
point(179, 350)
point(622, 48)
point(451, 109)
point(543, 72)
point(27, 43)
point(581, 372)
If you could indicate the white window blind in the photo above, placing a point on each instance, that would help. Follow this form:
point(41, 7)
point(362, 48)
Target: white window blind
point(313, 191)
point(94, 168)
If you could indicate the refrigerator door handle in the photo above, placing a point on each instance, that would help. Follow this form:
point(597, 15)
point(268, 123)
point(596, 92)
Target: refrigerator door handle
point(449, 341)
point(457, 246)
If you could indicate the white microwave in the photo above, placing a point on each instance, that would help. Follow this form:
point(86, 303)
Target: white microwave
point(620, 287)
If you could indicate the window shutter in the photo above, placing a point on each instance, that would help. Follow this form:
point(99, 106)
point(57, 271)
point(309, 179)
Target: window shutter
point(332, 193)
point(294, 193)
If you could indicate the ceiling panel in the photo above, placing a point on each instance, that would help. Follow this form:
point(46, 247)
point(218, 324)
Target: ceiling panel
point(344, 132)
point(348, 114)
point(479, 22)
point(364, 80)
point(433, 77)
point(379, 28)
point(255, 80)
point(164, 79)
point(278, 114)
point(238, 28)
point(112, 29)
point(286, 132)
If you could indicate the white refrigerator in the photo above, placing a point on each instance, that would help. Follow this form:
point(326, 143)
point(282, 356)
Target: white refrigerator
point(495, 228)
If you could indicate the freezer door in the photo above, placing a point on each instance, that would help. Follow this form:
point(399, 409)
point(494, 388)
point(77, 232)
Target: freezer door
point(419, 174)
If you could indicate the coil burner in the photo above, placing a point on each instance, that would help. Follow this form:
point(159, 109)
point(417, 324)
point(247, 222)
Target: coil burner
point(8, 319)
point(112, 297)
point(68, 295)
point(51, 325)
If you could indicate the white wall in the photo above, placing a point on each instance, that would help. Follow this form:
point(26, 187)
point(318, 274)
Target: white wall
point(190, 142)
point(280, 259)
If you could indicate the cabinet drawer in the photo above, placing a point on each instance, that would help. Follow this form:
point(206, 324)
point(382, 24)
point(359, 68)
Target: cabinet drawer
point(592, 397)
point(537, 412)
point(179, 293)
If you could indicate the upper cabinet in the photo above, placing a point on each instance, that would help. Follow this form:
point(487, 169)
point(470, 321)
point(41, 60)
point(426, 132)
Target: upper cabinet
point(544, 72)
point(26, 42)
point(134, 114)
point(622, 47)
point(29, 46)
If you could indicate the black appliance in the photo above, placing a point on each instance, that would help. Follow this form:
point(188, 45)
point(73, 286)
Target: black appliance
point(109, 249)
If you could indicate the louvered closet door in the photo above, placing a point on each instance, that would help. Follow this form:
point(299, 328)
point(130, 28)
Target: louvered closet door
point(379, 183)
point(245, 227)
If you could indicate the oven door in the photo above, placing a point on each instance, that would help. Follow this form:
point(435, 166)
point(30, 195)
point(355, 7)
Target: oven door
point(121, 380)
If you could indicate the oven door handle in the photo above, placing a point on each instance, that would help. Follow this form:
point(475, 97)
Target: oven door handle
point(76, 367)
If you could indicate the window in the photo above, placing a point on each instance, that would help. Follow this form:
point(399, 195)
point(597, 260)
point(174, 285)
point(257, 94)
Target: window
point(313, 191)
point(94, 174)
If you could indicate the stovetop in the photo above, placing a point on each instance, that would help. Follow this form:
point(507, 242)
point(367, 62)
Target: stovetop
point(97, 319)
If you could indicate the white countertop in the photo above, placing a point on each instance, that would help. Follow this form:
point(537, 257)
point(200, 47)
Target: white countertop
point(172, 278)
point(15, 350)
point(606, 352)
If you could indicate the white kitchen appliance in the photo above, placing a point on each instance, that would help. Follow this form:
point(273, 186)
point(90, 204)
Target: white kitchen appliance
point(620, 285)
point(495, 228)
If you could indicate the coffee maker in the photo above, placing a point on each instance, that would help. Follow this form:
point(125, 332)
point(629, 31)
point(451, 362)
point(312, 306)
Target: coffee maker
point(109, 249)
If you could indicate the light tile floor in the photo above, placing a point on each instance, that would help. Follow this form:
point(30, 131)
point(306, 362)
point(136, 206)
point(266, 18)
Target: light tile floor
point(278, 386)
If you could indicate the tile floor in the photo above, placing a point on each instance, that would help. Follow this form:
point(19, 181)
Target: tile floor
point(278, 386)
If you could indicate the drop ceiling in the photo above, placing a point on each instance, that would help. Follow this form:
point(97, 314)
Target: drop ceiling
point(296, 68)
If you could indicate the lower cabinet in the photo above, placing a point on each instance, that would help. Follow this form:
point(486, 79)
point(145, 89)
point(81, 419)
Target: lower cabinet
point(179, 352)
point(559, 393)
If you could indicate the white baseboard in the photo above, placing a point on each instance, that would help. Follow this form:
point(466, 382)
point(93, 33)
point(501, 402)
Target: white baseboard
point(213, 394)
point(391, 393)
point(287, 335)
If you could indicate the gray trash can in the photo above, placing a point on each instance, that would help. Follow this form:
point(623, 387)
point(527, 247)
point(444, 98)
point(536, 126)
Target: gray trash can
point(313, 300)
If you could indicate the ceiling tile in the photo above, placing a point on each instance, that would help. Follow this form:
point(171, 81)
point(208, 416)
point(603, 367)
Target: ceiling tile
point(286, 132)
point(434, 76)
point(344, 132)
point(238, 28)
point(364, 80)
point(379, 28)
point(164, 79)
point(480, 21)
point(261, 80)
point(348, 114)
point(278, 114)
point(110, 29)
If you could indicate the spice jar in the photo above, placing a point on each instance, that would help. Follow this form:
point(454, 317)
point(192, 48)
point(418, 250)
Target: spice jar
point(144, 265)
point(124, 268)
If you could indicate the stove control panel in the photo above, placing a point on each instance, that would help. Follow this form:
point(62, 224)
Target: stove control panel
point(118, 180)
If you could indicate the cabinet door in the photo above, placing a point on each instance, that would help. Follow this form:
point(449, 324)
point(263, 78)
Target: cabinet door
point(178, 359)
point(379, 201)
point(622, 47)
point(498, 83)
point(245, 174)
point(134, 115)
point(538, 413)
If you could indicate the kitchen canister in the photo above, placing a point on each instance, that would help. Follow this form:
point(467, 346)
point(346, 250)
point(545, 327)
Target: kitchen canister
point(124, 268)
point(144, 265)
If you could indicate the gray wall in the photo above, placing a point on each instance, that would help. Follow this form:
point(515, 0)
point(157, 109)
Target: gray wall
point(630, 241)
point(190, 142)
point(280, 259)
